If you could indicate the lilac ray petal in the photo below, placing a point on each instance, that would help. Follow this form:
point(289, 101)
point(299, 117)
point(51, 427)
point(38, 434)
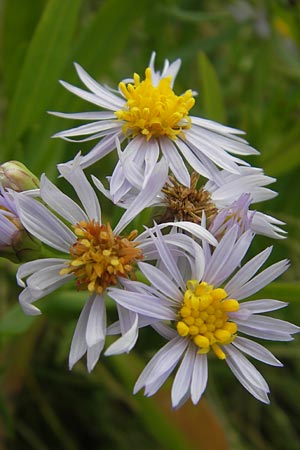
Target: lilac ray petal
point(262, 305)
point(40, 222)
point(96, 325)
point(199, 378)
point(262, 279)
point(92, 137)
point(193, 228)
point(79, 345)
point(25, 300)
point(217, 127)
point(239, 251)
point(126, 317)
point(271, 335)
point(160, 281)
point(93, 354)
point(246, 380)
point(76, 177)
point(152, 388)
point(96, 88)
point(226, 143)
point(166, 357)
point(175, 161)
point(89, 128)
point(118, 180)
point(167, 257)
point(33, 266)
point(105, 146)
point(218, 156)
point(91, 115)
point(126, 342)
point(182, 381)
point(142, 304)
point(270, 323)
point(247, 368)
point(164, 330)
point(256, 350)
point(60, 203)
point(145, 197)
point(265, 225)
point(89, 97)
point(46, 277)
point(191, 159)
point(151, 159)
point(217, 266)
point(246, 272)
point(198, 266)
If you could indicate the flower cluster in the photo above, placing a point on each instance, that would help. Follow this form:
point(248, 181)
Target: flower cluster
point(184, 274)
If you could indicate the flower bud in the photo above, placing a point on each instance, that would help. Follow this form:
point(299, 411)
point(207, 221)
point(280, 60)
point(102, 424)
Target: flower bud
point(14, 175)
point(16, 244)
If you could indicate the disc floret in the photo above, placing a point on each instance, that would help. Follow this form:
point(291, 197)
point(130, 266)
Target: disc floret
point(203, 317)
point(154, 111)
point(98, 257)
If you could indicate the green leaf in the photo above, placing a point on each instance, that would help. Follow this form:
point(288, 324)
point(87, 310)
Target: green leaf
point(45, 59)
point(283, 161)
point(108, 32)
point(15, 322)
point(211, 93)
point(18, 23)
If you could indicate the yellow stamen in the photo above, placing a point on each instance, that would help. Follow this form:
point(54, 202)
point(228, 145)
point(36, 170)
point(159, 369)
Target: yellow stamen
point(98, 257)
point(203, 317)
point(154, 111)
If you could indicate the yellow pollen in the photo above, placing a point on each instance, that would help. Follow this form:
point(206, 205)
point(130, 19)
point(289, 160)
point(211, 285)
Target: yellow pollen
point(203, 317)
point(98, 257)
point(154, 111)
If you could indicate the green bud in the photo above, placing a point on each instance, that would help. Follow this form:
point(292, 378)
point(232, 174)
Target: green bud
point(23, 247)
point(14, 175)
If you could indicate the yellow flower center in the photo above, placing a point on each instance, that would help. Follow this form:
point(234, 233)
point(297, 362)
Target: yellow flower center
point(154, 111)
point(203, 317)
point(99, 257)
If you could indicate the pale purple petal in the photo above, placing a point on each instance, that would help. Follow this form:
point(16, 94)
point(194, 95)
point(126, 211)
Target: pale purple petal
point(246, 272)
point(256, 350)
point(247, 374)
point(199, 378)
point(60, 203)
point(160, 281)
point(126, 342)
point(40, 222)
point(96, 325)
point(262, 279)
point(79, 345)
point(165, 358)
point(147, 305)
point(182, 381)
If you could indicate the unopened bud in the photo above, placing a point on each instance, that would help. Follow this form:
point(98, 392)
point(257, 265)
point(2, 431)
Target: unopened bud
point(14, 175)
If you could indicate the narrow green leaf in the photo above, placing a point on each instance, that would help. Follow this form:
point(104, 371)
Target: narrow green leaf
point(45, 59)
point(108, 32)
point(283, 161)
point(211, 93)
point(15, 322)
point(18, 23)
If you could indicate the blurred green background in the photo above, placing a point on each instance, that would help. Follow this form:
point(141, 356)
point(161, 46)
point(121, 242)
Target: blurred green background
point(243, 58)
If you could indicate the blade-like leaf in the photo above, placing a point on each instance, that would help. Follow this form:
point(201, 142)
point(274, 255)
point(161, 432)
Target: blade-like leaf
point(211, 94)
point(45, 59)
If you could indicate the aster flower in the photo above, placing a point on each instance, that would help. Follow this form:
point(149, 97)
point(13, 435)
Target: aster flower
point(206, 315)
point(93, 254)
point(225, 200)
point(154, 122)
